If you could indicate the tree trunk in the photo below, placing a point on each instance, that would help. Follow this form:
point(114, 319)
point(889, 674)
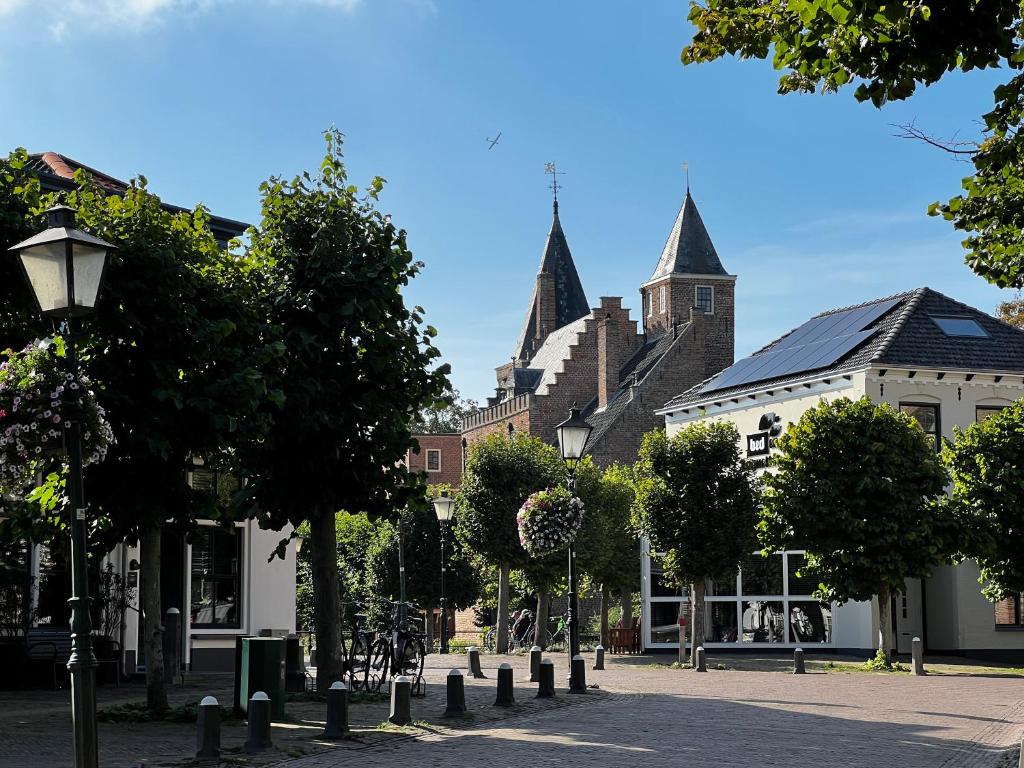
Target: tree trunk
point(606, 597)
point(697, 621)
point(626, 598)
point(885, 622)
point(540, 635)
point(326, 607)
point(153, 627)
point(428, 627)
point(501, 628)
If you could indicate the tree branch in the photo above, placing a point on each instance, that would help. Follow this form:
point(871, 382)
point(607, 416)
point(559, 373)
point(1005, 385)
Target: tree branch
point(962, 149)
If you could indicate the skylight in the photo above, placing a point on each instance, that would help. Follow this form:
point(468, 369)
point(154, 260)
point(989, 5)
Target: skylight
point(960, 326)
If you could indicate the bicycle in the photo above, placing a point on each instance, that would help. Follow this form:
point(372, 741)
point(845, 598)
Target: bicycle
point(398, 651)
point(358, 656)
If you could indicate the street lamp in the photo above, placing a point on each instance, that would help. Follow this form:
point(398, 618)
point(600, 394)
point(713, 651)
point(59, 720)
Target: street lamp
point(64, 267)
point(573, 434)
point(444, 508)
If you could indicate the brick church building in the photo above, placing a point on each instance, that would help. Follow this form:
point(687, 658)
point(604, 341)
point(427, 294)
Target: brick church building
point(618, 370)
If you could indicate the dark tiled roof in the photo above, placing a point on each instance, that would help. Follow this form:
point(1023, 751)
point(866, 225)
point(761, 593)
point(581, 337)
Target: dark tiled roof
point(570, 300)
point(637, 367)
point(56, 173)
point(689, 249)
point(906, 337)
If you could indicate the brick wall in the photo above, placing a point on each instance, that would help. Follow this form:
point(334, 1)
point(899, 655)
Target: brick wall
point(617, 341)
point(449, 447)
point(680, 299)
point(576, 383)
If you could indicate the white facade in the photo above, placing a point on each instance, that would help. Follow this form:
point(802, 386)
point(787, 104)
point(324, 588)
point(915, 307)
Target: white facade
point(947, 610)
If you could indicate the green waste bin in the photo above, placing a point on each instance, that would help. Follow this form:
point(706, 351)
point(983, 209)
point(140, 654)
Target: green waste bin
point(262, 669)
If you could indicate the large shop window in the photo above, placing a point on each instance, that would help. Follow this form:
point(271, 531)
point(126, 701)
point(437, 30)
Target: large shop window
point(769, 601)
point(927, 416)
point(1008, 612)
point(216, 578)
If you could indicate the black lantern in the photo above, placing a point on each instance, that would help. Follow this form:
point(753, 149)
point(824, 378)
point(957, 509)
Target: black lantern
point(573, 434)
point(444, 508)
point(64, 265)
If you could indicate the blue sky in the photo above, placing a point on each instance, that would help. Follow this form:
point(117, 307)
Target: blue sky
point(811, 200)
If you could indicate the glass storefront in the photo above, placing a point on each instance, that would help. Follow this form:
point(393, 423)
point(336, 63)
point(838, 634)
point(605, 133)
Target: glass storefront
point(768, 602)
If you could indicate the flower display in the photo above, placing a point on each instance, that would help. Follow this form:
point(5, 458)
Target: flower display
point(549, 521)
point(37, 397)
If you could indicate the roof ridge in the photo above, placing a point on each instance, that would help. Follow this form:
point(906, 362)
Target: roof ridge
point(906, 310)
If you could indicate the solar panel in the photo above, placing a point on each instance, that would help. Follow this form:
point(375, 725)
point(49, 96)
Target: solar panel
point(818, 343)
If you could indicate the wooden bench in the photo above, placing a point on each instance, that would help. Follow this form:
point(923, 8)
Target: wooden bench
point(625, 639)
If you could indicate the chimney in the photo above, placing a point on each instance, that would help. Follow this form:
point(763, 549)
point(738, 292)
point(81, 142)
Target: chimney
point(614, 346)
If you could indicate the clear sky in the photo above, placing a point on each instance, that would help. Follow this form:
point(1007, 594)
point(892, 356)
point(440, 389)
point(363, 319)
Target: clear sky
point(810, 200)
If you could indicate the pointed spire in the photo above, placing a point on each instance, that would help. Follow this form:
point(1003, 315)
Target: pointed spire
point(689, 249)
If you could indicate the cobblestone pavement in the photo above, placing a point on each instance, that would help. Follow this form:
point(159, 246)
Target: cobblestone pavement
point(644, 714)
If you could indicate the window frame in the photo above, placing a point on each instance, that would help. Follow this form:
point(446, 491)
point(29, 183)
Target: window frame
point(433, 452)
point(650, 303)
point(983, 335)
point(938, 418)
point(237, 577)
point(661, 298)
point(1018, 599)
point(992, 410)
point(696, 299)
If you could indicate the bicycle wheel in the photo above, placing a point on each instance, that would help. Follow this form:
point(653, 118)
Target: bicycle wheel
point(377, 668)
point(410, 658)
point(359, 661)
point(490, 639)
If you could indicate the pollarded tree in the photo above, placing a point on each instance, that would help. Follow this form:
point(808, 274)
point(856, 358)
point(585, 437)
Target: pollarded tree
point(696, 500)
point(357, 366)
point(607, 547)
point(986, 465)
point(856, 487)
point(885, 50)
point(501, 473)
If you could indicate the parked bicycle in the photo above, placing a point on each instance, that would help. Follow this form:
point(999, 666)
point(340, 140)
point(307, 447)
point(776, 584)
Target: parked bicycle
point(358, 651)
point(397, 651)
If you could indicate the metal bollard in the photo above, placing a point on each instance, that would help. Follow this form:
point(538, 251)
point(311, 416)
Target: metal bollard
point(337, 711)
point(506, 691)
point(473, 655)
point(172, 646)
point(535, 656)
point(546, 679)
point(798, 662)
point(259, 723)
point(599, 658)
point(401, 705)
point(578, 675)
point(456, 694)
point(702, 659)
point(918, 653)
point(208, 730)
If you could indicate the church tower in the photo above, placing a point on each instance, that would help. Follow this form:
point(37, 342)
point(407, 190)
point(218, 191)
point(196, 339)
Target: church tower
point(558, 297)
point(689, 279)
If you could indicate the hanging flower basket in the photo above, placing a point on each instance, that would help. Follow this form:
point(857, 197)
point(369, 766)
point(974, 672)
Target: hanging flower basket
point(549, 521)
point(37, 396)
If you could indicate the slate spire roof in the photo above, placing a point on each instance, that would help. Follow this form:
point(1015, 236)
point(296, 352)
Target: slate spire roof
point(570, 301)
point(688, 250)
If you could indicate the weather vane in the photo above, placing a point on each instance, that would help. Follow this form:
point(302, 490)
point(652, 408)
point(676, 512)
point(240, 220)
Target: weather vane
point(555, 173)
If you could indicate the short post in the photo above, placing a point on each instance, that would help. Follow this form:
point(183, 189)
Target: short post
point(546, 679)
point(456, 704)
point(506, 691)
point(172, 634)
point(473, 657)
point(702, 659)
point(918, 653)
point(259, 723)
point(535, 656)
point(401, 705)
point(208, 730)
point(578, 675)
point(1020, 762)
point(599, 658)
point(337, 711)
point(798, 662)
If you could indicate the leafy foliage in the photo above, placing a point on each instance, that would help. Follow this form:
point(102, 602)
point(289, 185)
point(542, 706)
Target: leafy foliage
point(1012, 311)
point(856, 488)
point(444, 416)
point(886, 50)
point(986, 465)
point(608, 548)
point(697, 501)
point(500, 474)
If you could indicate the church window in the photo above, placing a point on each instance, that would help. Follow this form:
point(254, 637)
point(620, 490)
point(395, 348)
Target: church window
point(650, 303)
point(661, 298)
point(705, 299)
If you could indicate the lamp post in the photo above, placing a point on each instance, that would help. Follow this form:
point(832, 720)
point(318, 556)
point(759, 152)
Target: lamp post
point(64, 267)
point(444, 507)
point(573, 434)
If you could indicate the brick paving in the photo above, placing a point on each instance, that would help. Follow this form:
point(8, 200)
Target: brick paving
point(644, 714)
